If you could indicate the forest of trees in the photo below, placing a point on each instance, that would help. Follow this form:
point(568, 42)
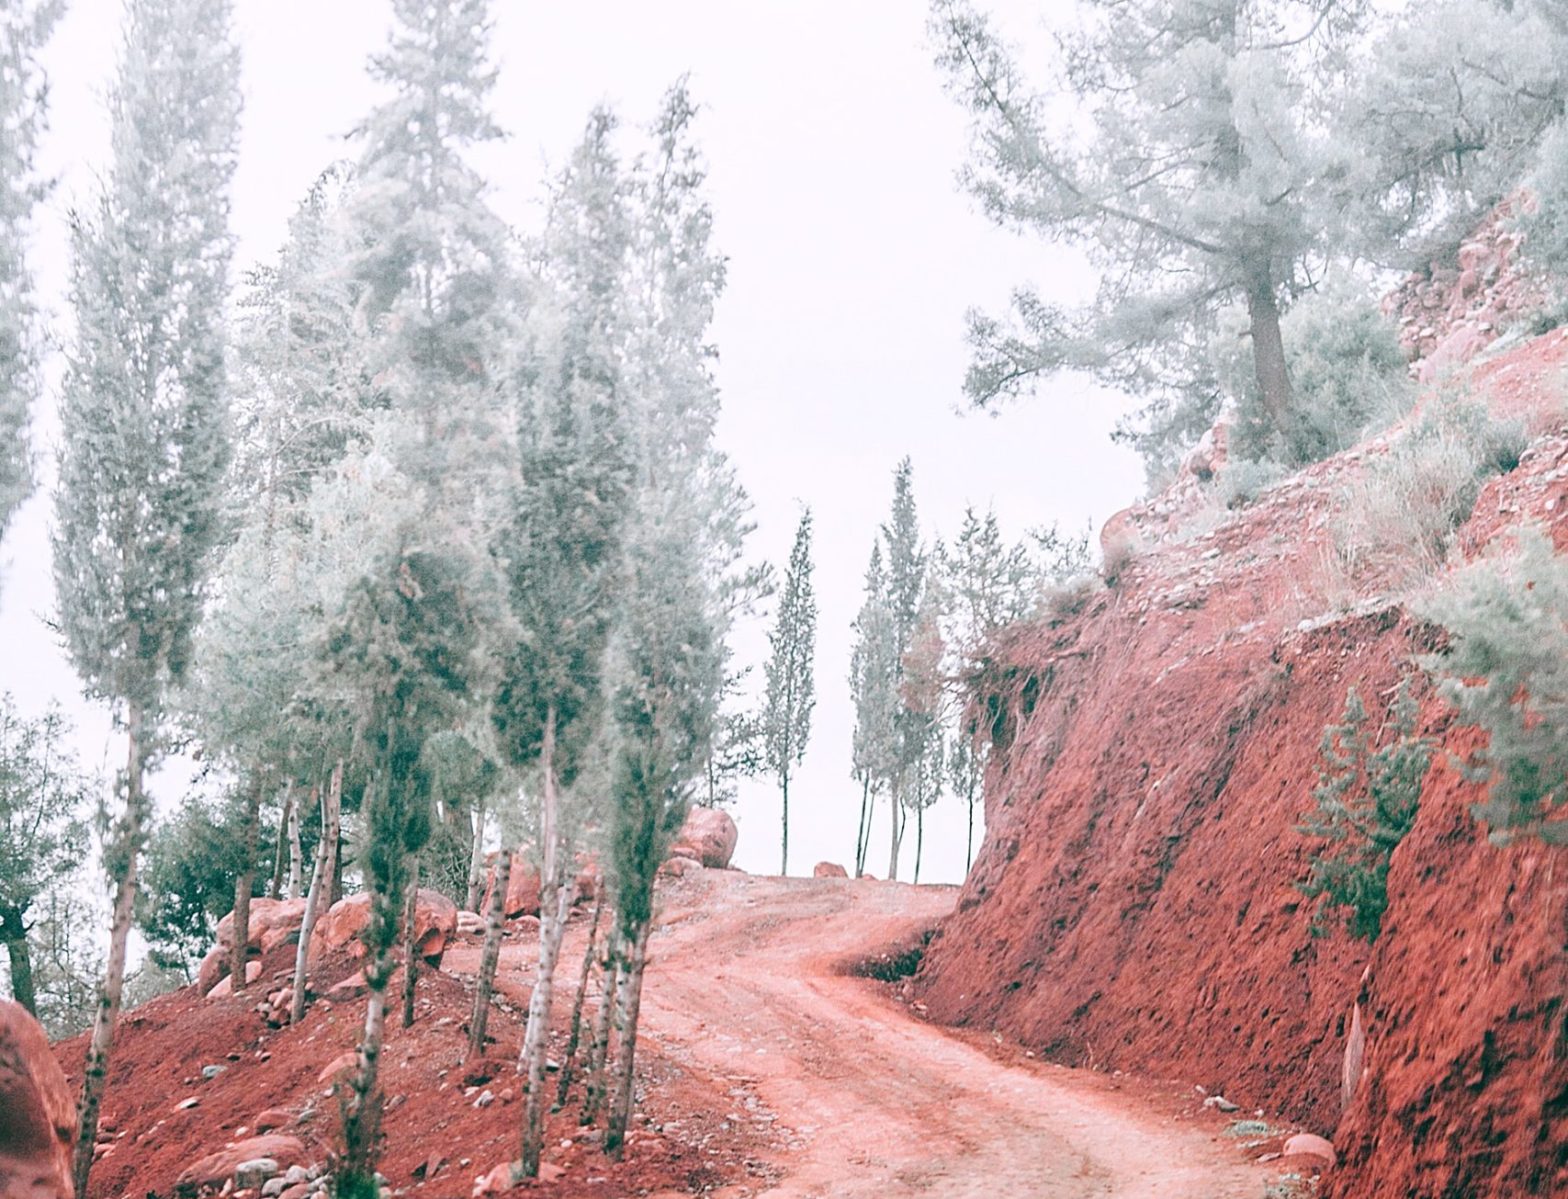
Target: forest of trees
point(418, 536)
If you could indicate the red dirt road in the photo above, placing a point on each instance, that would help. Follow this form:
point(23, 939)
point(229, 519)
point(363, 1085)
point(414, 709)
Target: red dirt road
point(865, 1099)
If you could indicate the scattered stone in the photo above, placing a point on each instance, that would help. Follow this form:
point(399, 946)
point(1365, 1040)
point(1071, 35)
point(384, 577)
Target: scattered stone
point(485, 1099)
point(185, 1105)
point(1307, 1144)
point(272, 1118)
point(211, 1072)
point(1221, 1103)
point(256, 1155)
point(339, 1066)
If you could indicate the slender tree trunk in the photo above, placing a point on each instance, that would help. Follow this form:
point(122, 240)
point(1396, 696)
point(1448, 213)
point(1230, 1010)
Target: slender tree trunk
point(243, 885)
point(296, 851)
point(476, 860)
point(123, 858)
point(920, 838)
point(603, 1024)
point(21, 960)
point(495, 921)
point(569, 1061)
point(320, 884)
point(1268, 349)
point(555, 900)
point(410, 949)
point(281, 845)
point(969, 847)
point(861, 830)
point(898, 834)
point(630, 1006)
point(784, 787)
point(362, 1112)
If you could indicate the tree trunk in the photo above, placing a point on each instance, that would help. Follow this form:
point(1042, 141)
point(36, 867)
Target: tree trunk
point(555, 899)
point(122, 859)
point(495, 921)
point(862, 831)
point(476, 860)
point(410, 949)
point(362, 1112)
point(250, 832)
point(784, 786)
point(599, 1048)
point(1268, 350)
point(630, 1006)
point(296, 852)
point(21, 960)
point(898, 835)
point(569, 1061)
point(969, 846)
point(920, 839)
point(320, 884)
point(281, 845)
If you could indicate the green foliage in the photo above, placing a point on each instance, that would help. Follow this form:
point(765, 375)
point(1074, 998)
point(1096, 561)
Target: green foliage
point(1506, 670)
point(1347, 370)
point(1366, 801)
point(791, 691)
point(193, 859)
point(25, 26)
point(1398, 518)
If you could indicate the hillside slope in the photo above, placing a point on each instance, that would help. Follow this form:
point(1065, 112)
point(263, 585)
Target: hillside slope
point(1136, 903)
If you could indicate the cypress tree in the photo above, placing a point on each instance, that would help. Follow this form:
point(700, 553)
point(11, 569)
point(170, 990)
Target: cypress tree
point(791, 692)
point(144, 413)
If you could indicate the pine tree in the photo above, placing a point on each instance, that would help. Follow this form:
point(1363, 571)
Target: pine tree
point(564, 542)
point(1366, 802)
point(906, 583)
point(791, 691)
point(24, 28)
point(144, 414)
point(872, 666)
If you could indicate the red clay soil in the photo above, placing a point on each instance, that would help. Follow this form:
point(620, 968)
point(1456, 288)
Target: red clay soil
point(1136, 906)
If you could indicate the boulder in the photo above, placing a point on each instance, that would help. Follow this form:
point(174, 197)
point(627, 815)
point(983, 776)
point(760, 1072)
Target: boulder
point(216, 1169)
point(680, 866)
point(522, 887)
point(708, 836)
point(339, 1067)
point(435, 924)
point(470, 924)
point(272, 922)
point(225, 985)
point(213, 967)
point(1306, 1144)
point(828, 870)
point(37, 1112)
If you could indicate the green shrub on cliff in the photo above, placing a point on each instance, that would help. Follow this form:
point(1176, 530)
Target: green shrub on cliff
point(1366, 802)
point(1506, 670)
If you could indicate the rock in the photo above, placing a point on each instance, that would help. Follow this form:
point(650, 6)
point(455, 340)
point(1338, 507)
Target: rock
point(496, 1181)
point(1355, 1053)
point(272, 1118)
point(435, 924)
point(213, 967)
point(1221, 1103)
point(522, 887)
point(708, 836)
point(225, 986)
point(343, 1064)
point(272, 922)
point(273, 1187)
point(352, 986)
point(38, 1126)
point(549, 1172)
point(680, 866)
point(255, 1172)
point(470, 924)
point(828, 870)
point(300, 1190)
point(277, 1151)
point(1307, 1144)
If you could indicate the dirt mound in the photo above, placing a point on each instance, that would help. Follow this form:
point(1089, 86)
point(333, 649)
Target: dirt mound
point(1136, 905)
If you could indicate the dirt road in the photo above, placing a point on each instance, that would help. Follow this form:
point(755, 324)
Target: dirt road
point(868, 1099)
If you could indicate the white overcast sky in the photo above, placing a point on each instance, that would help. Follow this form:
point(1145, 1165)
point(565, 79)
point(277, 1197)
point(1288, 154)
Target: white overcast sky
point(852, 257)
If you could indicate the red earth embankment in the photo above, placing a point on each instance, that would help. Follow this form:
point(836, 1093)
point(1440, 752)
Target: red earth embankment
point(1136, 903)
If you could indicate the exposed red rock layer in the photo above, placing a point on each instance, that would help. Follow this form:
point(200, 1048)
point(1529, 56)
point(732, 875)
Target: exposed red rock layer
point(1135, 905)
point(37, 1112)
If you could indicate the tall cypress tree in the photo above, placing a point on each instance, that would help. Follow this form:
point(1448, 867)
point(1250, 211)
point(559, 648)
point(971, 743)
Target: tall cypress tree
point(145, 415)
point(24, 28)
point(791, 690)
point(906, 581)
point(871, 679)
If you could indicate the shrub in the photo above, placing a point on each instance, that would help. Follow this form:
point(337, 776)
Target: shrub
point(1545, 226)
point(1347, 370)
point(1366, 801)
point(1243, 480)
point(1506, 670)
point(1399, 517)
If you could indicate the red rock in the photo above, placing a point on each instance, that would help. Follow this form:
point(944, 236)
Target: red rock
point(828, 870)
point(272, 921)
point(435, 924)
point(343, 1064)
point(495, 1181)
point(273, 1118)
point(225, 985)
point(680, 866)
point(218, 1168)
point(522, 888)
point(352, 986)
point(37, 1112)
point(709, 836)
point(213, 967)
point(1307, 1144)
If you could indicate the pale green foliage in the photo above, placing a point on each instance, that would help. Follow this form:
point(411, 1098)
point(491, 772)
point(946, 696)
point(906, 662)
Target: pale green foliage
point(791, 691)
point(1506, 669)
point(145, 403)
point(1366, 801)
point(873, 667)
point(25, 26)
point(1347, 369)
point(1398, 518)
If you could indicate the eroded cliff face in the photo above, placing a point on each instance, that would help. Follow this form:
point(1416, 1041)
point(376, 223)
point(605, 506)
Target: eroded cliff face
point(1136, 904)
